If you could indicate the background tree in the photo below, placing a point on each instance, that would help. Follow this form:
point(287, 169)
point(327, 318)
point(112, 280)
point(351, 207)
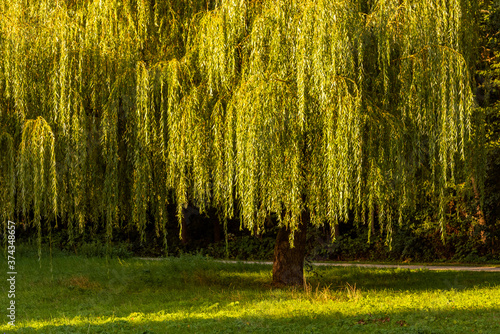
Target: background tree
point(311, 112)
point(488, 95)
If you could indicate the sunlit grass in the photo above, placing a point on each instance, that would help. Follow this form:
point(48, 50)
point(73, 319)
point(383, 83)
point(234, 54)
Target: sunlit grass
point(195, 295)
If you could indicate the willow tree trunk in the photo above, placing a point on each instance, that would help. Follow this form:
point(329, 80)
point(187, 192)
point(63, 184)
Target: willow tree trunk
point(288, 266)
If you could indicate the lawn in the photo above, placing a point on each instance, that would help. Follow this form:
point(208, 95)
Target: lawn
point(192, 294)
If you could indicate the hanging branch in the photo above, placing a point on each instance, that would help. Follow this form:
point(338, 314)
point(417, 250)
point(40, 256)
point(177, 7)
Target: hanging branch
point(259, 108)
point(37, 172)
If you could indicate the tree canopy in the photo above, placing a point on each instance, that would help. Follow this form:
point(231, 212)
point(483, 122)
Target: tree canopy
point(111, 109)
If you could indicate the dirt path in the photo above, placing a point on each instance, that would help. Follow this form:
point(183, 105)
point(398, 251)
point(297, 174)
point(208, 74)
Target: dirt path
point(363, 265)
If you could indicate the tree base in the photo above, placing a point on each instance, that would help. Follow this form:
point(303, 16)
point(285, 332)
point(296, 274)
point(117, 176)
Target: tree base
point(288, 266)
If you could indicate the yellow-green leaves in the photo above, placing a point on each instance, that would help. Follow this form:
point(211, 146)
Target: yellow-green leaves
point(37, 172)
point(7, 177)
point(257, 108)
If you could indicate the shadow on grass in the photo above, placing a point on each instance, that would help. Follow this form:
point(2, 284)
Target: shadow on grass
point(412, 321)
point(181, 277)
point(196, 295)
point(195, 271)
point(403, 279)
point(256, 276)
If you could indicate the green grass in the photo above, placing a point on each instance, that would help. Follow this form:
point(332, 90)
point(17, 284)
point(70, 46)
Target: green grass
point(192, 294)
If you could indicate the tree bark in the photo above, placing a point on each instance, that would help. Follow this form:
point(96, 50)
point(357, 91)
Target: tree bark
point(288, 266)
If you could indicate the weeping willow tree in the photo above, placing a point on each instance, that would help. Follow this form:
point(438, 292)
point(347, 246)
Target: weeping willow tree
point(312, 112)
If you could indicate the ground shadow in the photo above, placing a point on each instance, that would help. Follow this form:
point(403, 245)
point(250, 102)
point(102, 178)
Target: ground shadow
point(189, 286)
point(402, 279)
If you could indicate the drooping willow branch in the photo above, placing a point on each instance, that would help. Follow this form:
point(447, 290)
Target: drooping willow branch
point(257, 108)
point(37, 172)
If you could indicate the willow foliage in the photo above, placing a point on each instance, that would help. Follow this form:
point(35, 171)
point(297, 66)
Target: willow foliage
point(7, 177)
point(37, 172)
point(114, 108)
